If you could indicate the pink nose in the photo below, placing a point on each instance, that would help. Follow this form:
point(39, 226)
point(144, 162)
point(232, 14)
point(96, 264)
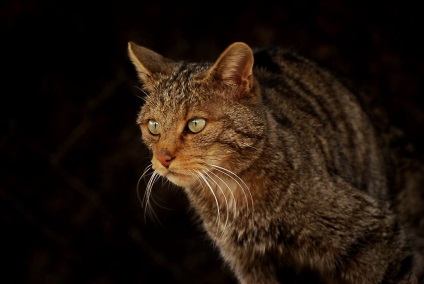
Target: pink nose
point(165, 158)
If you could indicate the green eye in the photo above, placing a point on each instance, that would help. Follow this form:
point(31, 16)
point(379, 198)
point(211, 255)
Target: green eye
point(196, 125)
point(154, 127)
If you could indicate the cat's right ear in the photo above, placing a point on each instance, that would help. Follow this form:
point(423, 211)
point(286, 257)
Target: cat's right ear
point(148, 62)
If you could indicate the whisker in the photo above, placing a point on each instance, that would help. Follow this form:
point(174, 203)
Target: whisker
point(231, 192)
point(247, 145)
point(236, 178)
point(229, 188)
point(146, 95)
point(153, 216)
point(225, 198)
point(144, 174)
point(146, 199)
point(155, 176)
point(218, 218)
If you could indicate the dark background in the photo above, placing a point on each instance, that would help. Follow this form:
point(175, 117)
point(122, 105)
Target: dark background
point(71, 153)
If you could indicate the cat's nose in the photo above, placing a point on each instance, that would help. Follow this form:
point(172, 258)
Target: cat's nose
point(165, 158)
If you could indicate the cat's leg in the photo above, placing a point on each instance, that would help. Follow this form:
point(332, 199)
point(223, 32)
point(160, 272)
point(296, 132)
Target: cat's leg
point(365, 240)
point(347, 235)
point(410, 208)
point(369, 267)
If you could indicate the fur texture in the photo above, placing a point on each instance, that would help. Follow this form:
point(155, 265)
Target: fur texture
point(286, 167)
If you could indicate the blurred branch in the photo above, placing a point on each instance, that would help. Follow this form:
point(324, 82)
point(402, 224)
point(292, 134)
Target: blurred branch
point(154, 255)
point(32, 218)
point(86, 122)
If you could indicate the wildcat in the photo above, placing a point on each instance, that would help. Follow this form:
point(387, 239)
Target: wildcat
point(284, 165)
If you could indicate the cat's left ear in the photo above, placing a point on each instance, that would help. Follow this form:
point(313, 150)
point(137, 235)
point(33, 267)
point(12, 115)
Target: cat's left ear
point(234, 69)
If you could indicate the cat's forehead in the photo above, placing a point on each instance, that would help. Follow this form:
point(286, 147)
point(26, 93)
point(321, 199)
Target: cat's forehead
point(181, 80)
point(180, 86)
point(177, 92)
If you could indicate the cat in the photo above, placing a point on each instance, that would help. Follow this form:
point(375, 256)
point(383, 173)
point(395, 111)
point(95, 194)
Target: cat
point(285, 166)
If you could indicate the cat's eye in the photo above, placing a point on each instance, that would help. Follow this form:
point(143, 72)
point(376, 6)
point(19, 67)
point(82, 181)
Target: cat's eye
point(196, 125)
point(154, 127)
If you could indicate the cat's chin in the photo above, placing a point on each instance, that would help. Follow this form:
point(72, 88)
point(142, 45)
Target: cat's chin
point(180, 179)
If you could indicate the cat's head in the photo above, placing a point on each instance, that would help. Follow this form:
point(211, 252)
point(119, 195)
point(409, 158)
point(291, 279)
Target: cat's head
point(200, 117)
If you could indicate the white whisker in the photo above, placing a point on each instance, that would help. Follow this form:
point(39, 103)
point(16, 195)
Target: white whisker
point(243, 186)
point(146, 198)
point(247, 145)
point(144, 174)
point(218, 218)
point(144, 92)
point(229, 188)
point(155, 176)
point(225, 198)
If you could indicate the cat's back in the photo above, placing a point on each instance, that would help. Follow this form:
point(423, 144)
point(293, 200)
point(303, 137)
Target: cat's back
point(294, 76)
point(292, 83)
point(324, 122)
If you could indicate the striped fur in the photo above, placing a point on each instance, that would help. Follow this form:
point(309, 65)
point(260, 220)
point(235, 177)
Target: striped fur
point(290, 175)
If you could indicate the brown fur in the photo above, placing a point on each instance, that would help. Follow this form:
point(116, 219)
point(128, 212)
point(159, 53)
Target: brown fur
point(289, 172)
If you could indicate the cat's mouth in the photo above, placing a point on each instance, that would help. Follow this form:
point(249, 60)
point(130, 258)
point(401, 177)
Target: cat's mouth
point(177, 176)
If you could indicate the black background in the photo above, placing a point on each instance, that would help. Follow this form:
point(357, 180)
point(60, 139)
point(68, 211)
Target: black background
point(71, 153)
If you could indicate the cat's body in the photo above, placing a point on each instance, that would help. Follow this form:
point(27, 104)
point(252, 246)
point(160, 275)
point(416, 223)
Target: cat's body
point(283, 166)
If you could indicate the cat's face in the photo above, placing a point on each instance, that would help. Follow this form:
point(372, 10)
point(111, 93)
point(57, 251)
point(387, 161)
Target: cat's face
point(195, 125)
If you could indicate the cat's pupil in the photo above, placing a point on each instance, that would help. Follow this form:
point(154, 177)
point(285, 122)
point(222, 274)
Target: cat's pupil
point(154, 127)
point(196, 125)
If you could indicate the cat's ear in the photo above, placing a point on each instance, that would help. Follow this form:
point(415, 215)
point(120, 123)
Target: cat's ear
point(148, 62)
point(233, 68)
